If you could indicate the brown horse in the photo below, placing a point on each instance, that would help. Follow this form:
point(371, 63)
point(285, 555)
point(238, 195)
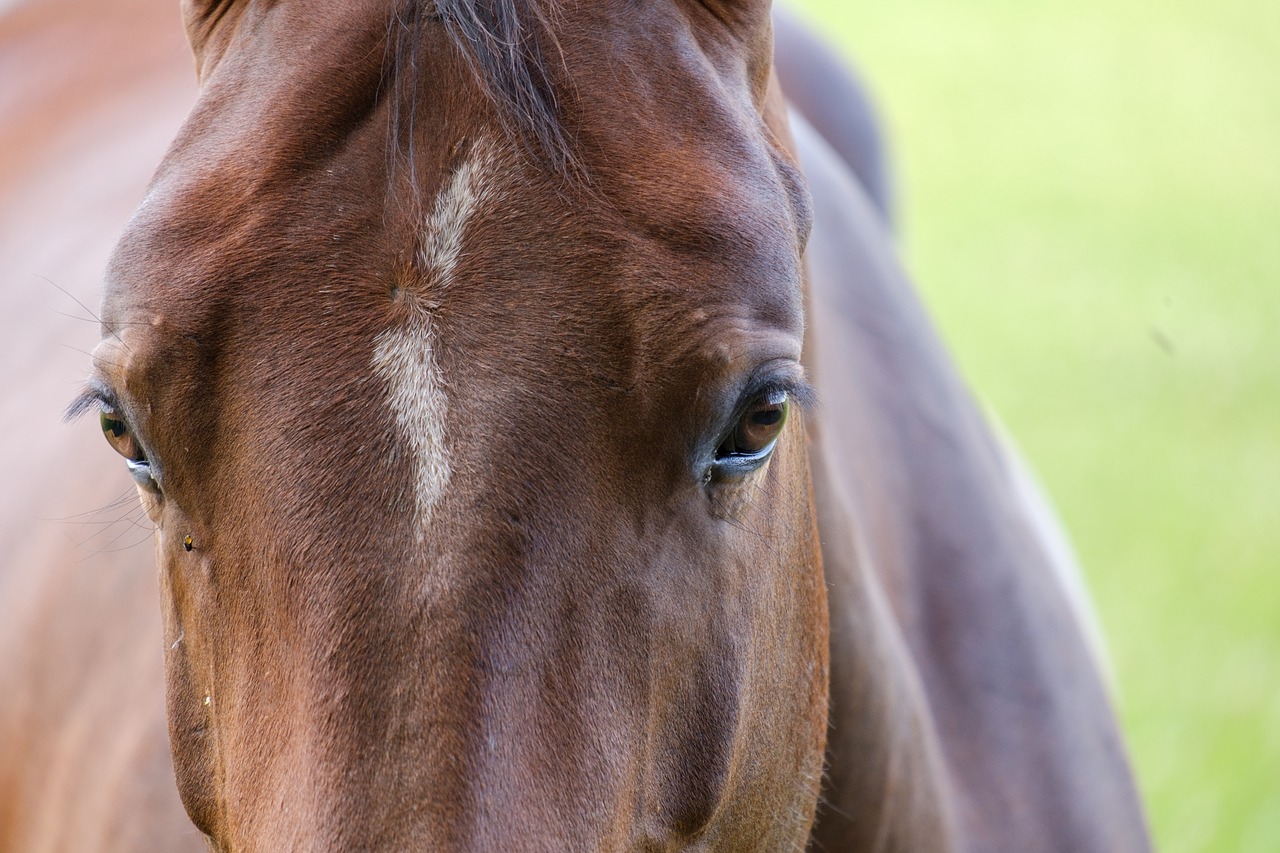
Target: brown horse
point(457, 354)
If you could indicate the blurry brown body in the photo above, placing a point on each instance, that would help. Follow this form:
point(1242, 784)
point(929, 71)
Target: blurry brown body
point(590, 648)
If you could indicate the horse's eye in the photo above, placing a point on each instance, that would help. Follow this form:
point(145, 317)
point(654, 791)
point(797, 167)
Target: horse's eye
point(758, 427)
point(120, 437)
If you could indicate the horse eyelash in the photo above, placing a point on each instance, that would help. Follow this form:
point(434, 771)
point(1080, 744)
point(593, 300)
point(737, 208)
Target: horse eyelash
point(797, 390)
point(93, 396)
point(804, 395)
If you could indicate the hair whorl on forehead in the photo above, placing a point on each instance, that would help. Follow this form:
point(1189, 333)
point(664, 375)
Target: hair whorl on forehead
point(506, 43)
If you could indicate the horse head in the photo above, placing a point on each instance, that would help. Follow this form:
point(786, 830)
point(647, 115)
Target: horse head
point(455, 351)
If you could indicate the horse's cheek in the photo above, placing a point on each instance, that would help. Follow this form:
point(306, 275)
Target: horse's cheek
point(192, 733)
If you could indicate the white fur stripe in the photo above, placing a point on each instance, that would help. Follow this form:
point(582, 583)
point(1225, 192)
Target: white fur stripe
point(469, 187)
point(405, 357)
point(405, 360)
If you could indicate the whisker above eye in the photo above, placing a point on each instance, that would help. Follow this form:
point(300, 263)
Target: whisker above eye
point(86, 308)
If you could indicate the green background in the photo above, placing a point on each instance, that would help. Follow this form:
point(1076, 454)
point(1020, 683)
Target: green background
point(1090, 203)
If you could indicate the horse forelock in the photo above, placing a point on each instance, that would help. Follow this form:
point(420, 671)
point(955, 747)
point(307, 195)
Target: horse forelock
point(507, 45)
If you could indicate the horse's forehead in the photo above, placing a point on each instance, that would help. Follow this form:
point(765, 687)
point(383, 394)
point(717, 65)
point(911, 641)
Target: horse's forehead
point(253, 214)
point(482, 233)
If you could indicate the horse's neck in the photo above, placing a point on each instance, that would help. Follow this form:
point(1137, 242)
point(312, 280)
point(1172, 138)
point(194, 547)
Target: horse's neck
point(886, 787)
point(957, 662)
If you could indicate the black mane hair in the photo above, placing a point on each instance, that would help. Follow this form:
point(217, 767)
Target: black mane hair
point(506, 43)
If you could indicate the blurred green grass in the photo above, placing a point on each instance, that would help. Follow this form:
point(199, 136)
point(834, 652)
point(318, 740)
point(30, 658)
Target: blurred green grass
point(1090, 203)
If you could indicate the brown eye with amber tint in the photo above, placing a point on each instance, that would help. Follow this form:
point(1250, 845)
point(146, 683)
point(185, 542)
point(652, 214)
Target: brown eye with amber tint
point(120, 437)
point(758, 427)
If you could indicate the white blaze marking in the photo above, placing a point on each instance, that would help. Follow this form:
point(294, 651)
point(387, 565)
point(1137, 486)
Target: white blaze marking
point(405, 357)
point(445, 227)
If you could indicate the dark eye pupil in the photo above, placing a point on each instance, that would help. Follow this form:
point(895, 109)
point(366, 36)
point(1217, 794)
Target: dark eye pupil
point(768, 417)
point(112, 425)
